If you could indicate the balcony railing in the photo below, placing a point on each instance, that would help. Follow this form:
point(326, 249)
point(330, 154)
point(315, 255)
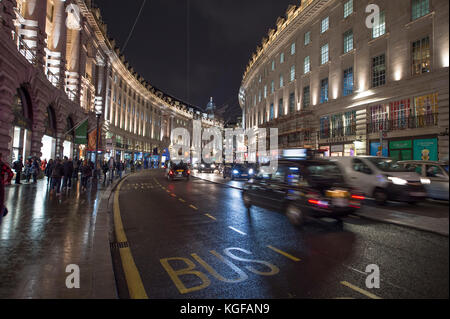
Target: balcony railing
point(339, 132)
point(24, 49)
point(402, 123)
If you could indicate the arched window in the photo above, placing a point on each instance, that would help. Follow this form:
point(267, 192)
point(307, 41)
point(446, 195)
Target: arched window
point(50, 121)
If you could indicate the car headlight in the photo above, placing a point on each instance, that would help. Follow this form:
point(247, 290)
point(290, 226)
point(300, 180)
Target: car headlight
point(425, 181)
point(235, 172)
point(398, 181)
point(203, 165)
point(213, 166)
point(250, 171)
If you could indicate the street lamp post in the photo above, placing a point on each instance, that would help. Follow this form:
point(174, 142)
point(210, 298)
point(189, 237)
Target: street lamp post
point(98, 115)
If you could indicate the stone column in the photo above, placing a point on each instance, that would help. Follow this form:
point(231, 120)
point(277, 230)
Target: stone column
point(73, 23)
point(34, 29)
point(57, 42)
point(7, 16)
point(6, 119)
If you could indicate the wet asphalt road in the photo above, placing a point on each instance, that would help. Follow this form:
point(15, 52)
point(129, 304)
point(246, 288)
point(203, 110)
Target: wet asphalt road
point(195, 239)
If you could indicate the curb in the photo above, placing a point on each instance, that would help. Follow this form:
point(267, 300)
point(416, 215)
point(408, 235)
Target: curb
point(394, 222)
point(104, 280)
point(399, 223)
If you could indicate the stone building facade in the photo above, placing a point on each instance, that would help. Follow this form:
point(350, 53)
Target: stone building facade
point(58, 68)
point(328, 80)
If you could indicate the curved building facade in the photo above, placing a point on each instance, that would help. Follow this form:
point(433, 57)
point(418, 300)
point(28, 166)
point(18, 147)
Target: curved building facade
point(328, 79)
point(59, 71)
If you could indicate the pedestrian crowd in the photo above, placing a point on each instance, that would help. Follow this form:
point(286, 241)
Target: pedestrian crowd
point(62, 173)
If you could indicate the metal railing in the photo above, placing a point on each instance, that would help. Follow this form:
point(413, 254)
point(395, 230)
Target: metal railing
point(24, 49)
point(402, 123)
point(339, 132)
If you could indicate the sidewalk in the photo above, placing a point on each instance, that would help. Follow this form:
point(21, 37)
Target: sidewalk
point(43, 233)
point(428, 216)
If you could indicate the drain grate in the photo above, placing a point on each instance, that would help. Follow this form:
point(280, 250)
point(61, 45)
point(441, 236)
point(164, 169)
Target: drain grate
point(119, 245)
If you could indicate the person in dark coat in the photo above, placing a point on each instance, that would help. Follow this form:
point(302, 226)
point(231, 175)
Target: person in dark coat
point(35, 169)
point(105, 169)
point(18, 166)
point(48, 171)
point(86, 173)
point(68, 171)
point(57, 174)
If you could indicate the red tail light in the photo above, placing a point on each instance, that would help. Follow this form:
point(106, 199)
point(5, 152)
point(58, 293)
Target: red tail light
point(358, 197)
point(171, 172)
point(189, 172)
point(313, 201)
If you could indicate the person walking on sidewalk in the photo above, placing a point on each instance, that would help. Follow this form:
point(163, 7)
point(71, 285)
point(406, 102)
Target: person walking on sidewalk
point(68, 172)
point(27, 170)
point(48, 171)
point(105, 170)
point(76, 168)
point(35, 169)
point(112, 167)
point(120, 168)
point(18, 166)
point(57, 173)
point(86, 173)
point(6, 175)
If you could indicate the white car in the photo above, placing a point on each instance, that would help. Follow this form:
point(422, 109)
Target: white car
point(436, 172)
point(383, 179)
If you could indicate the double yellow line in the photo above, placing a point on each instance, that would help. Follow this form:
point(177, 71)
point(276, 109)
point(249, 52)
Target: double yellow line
point(133, 278)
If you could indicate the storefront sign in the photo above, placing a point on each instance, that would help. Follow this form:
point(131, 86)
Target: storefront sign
point(337, 148)
point(426, 150)
point(81, 133)
point(375, 146)
point(397, 145)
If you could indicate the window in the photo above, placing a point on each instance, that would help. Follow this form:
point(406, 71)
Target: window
point(325, 25)
point(280, 108)
point(420, 8)
point(281, 58)
point(292, 73)
point(259, 97)
point(324, 90)
point(421, 56)
point(273, 65)
point(291, 103)
point(325, 127)
point(306, 97)
point(324, 54)
point(360, 166)
point(348, 41)
point(281, 81)
point(293, 48)
point(307, 37)
point(380, 28)
point(260, 78)
point(348, 8)
point(348, 82)
point(271, 112)
point(265, 91)
point(272, 87)
point(307, 65)
point(378, 70)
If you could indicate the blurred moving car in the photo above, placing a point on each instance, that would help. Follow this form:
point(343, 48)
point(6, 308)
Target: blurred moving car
point(436, 172)
point(383, 179)
point(238, 171)
point(206, 167)
point(302, 189)
point(176, 171)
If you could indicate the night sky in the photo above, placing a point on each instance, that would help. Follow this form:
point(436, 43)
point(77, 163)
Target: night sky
point(223, 34)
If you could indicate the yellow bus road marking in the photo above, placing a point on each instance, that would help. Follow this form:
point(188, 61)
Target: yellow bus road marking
point(181, 200)
point(284, 253)
point(173, 195)
point(133, 278)
point(193, 207)
point(361, 291)
point(237, 230)
point(212, 217)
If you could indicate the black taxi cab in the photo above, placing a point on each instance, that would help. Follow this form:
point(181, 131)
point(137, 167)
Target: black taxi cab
point(303, 187)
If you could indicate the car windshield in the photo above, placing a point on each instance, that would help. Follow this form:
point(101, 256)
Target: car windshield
point(239, 166)
point(390, 165)
point(325, 171)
